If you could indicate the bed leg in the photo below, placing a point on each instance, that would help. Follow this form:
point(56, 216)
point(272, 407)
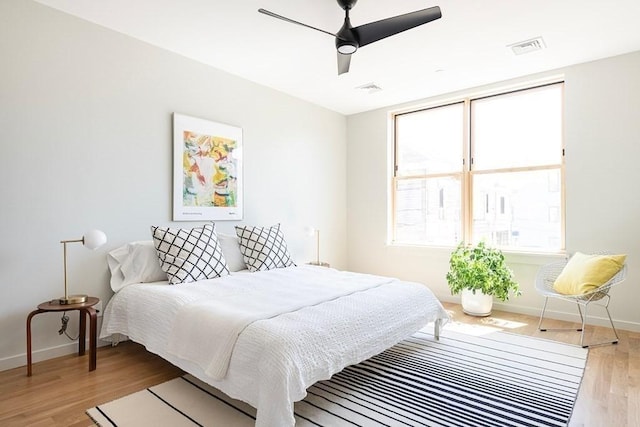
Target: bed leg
point(115, 339)
point(436, 329)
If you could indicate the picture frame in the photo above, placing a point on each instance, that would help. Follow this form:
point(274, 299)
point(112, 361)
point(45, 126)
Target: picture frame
point(207, 170)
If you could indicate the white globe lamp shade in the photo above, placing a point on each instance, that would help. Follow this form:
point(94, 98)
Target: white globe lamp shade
point(93, 239)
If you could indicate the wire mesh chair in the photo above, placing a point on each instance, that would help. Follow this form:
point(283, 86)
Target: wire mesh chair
point(600, 296)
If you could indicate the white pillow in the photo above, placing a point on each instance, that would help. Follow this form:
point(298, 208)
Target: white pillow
point(231, 251)
point(115, 258)
point(134, 262)
point(263, 248)
point(189, 254)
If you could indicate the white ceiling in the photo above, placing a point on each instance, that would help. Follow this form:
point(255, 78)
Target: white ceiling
point(467, 47)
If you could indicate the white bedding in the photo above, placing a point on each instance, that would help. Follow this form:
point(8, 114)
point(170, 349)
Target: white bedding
point(346, 318)
point(277, 292)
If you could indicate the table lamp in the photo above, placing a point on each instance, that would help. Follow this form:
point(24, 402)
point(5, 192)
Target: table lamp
point(92, 239)
point(311, 231)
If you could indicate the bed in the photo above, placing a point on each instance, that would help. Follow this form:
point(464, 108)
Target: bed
point(264, 337)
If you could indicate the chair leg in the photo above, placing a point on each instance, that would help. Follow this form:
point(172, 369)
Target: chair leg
point(581, 316)
point(613, 328)
point(544, 308)
point(606, 307)
point(584, 319)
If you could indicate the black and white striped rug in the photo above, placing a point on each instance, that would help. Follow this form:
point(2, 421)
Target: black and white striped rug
point(495, 379)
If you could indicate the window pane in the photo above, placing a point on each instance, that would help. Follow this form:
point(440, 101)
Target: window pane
point(519, 129)
point(520, 210)
point(514, 182)
point(428, 211)
point(430, 141)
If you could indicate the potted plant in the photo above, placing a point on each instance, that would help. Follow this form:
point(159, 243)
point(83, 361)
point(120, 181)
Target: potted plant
point(480, 273)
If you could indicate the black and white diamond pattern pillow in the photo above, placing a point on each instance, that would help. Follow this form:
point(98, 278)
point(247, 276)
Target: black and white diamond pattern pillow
point(263, 248)
point(189, 255)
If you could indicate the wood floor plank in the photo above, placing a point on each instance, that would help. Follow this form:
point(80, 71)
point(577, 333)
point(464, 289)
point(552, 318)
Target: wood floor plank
point(61, 389)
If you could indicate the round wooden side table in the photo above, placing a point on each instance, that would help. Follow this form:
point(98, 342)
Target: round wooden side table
point(85, 309)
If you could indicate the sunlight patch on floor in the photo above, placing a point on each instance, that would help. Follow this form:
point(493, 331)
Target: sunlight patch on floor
point(502, 323)
point(479, 326)
point(471, 329)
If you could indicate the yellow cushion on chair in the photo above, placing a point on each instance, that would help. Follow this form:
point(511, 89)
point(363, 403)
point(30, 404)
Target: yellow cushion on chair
point(584, 273)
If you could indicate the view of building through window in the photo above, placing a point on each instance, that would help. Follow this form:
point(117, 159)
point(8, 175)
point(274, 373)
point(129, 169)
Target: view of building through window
point(485, 168)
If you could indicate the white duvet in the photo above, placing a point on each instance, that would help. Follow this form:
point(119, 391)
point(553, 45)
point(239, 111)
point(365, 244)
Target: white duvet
point(265, 337)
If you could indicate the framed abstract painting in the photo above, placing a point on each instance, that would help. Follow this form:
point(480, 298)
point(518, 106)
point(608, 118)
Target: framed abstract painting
point(207, 170)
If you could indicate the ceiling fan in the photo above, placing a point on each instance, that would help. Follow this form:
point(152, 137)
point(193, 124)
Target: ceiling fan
point(349, 38)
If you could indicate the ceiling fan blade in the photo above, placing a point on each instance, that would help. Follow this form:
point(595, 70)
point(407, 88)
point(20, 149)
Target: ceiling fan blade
point(378, 30)
point(284, 18)
point(343, 63)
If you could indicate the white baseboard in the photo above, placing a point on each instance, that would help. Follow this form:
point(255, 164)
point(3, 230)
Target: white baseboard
point(48, 353)
point(595, 316)
point(44, 354)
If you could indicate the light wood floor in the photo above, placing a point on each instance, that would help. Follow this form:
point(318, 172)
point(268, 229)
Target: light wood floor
point(61, 389)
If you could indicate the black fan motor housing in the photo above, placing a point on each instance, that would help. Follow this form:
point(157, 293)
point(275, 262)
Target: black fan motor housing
point(347, 4)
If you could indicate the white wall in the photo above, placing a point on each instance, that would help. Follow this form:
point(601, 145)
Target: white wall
point(602, 101)
point(85, 142)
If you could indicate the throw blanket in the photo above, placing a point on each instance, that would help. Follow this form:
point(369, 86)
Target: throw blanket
point(216, 324)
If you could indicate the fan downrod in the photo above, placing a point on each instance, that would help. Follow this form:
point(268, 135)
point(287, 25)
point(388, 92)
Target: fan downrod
point(347, 4)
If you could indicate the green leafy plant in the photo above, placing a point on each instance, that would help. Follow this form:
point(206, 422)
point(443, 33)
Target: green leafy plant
point(481, 268)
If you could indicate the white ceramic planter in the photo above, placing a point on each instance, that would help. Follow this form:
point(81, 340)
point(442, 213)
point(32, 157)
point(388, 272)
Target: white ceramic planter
point(477, 304)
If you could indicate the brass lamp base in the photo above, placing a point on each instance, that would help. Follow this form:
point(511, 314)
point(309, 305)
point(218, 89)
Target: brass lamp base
point(319, 263)
point(73, 299)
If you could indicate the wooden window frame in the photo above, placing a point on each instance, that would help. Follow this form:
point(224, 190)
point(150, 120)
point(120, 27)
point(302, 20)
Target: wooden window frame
point(467, 172)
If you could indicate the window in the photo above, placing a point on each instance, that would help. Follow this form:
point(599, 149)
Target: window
point(483, 168)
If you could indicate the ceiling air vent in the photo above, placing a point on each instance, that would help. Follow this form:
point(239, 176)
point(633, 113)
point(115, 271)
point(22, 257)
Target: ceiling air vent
point(370, 88)
point(527, 46)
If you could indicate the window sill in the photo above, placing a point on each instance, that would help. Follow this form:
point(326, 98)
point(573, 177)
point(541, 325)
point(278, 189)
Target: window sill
point(512, 256)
